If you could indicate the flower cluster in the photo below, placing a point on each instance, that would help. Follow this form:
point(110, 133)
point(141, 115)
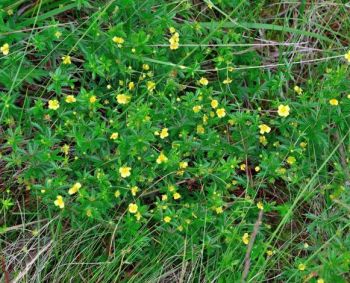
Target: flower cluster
point(174, 39)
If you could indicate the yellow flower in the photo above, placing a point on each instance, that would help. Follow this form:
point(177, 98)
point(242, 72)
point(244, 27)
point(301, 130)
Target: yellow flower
point(257, 169)
point(269, 252)
point(174, 45)
point(114, 136)
point(298, 89)
point(66, 60)
point(123, 98)
point(131, 85)
point(171, 188)
point(164, 197)
point(70, 99)
point(219, 210)
point(333, 102)
point(283, 110)
point(264, 129)
point(291, 160)
point(320, 280)
point(303, 144)
point(176, 196)
point(164, 133)
point(347, 56)
point(134, 190)
point(183, 164)
point(263, 140)
point(214, 103)
point(58, 34)
point(5, 49)
point(125, 171)
point(301, 267)
point(200, 129)
point(88, 212)
point(92, 99)
point(54, 104)
point(205, 119)
point(196, 108)
point(227, 81)
point(118, 40)
point(245, 238)
point(172, 30)
point(151, 86)
point(117, 193)
point(133, 207)
point(203, 81)
point(145, 67)
point(221, 112)
point(175, 37)
point(161, 158)
point(260, 205)
point(167, 219)
point(74, 189)
point(59, 202)
point(138, 216)
point(242, 167)
point(174, 41)
point(65, 149)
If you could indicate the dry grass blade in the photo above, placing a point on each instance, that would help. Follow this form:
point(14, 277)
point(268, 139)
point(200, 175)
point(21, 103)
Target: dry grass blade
point(250, 246)
point(31, 263)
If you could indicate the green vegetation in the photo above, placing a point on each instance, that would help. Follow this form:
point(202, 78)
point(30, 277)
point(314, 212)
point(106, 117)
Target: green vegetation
point(174, 141)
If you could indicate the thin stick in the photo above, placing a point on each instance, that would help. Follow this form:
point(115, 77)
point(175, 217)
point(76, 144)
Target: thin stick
point(4, 270)
point(250, 246)
point(21, 226)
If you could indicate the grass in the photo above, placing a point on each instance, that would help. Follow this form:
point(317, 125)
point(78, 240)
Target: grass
point(200, 175)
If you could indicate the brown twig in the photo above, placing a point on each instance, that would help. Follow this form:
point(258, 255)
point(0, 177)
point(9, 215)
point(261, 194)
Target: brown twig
point(250, 246)
point(4, 270)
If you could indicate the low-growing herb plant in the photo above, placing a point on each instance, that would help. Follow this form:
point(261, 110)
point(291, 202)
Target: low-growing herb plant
point(159, 139)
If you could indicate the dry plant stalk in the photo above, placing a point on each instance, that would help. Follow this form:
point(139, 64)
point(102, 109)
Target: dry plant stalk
point(250, 246)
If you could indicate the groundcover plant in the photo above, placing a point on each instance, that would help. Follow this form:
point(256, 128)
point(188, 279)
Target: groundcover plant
point(174, 141)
